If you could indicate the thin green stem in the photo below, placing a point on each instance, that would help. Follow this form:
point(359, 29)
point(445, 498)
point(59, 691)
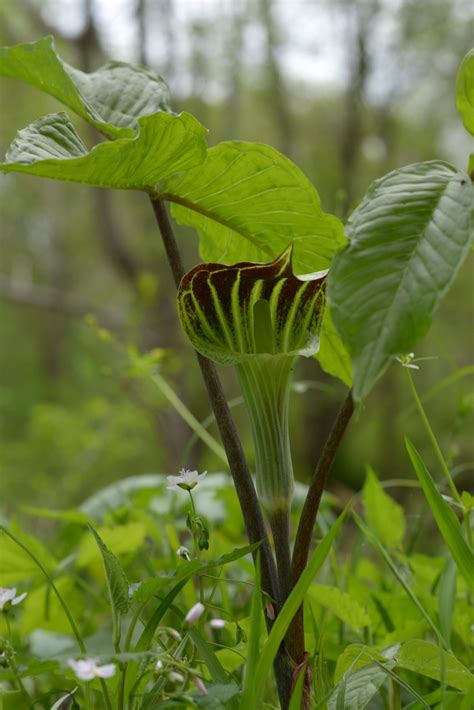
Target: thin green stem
point(432, 437)
point(105, 693)
point(63, 604)
point(12, 661)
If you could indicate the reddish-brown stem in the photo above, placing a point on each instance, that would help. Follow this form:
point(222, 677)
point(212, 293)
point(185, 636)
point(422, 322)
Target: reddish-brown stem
point(295, 636)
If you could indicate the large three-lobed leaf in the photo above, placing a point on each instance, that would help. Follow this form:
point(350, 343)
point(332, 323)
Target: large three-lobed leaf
point(233, 313)
point(408, 238)
point(112, 98)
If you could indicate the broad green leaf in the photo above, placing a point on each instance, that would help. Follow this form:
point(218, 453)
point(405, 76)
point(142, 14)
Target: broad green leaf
point(165, 144)
point(121, 539)
point(358, 688)
point(112, 99)
point(424, 657)
point(342, 604)
point(16, 565)
point(117, 582)
point(289, 610)
point(232, 313)
point(384, 515)
point(332, 354)
point(465, 91)
point(355, 656)
point(248, 203)
point(408, 239)
point(446, 520)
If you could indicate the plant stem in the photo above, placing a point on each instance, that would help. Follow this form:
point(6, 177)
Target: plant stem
point(12, 661)
point(432, 437)
point(295, 636)
point(252, 514)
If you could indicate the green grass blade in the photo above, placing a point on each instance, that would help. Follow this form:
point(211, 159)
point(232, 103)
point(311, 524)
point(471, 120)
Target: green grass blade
point(446, 520)
point(447, 598)
point(297, 695)
point(289, 610)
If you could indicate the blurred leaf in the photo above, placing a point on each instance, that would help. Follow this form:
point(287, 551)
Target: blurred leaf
point(408, 239)
point(15, 564)
point(117, 582)
point(218, 696)
point(465, 91)
point(424, 658)
point(120, 539)
point(342, 604)
point(67, 516)
point(111, 98)
point(333, 355)
point(355, 656)
point(248, 203)
point(374, 540)
point(358, 688)
point(120, 493)
point(446, 520)
point(42, 610)
point(384, 515)
point(165, 144)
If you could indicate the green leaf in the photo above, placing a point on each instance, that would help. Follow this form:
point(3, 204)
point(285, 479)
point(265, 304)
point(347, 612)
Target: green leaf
point(408, 239)
point(231, 313)
point(342, 604)
point(117, 582)
point(289, 610)
point(424, 658)
point(465, 91)
point(121, 539)
point(112, 98)
point(16, 564)
point(165, 144)
point(332, 354)
point(358, 688)
point(374, 540)
point(446, 520)
point(248, 203)
point(383, 514)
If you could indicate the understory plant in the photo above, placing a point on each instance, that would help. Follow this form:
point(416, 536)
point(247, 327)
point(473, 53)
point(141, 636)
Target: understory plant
point(280, 279)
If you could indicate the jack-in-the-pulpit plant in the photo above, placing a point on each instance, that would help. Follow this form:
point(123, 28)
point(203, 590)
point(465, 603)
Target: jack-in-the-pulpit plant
point(387, 271)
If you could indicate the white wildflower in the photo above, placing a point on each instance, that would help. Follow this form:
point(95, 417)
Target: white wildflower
point(186, 480)
point(8, 598)
point(88, 669)
point(194, 614)
point(158, 666)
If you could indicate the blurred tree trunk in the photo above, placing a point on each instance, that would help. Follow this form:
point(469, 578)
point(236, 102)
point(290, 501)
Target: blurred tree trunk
point(237, 23)
point(359, 18)
point(277, 95)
